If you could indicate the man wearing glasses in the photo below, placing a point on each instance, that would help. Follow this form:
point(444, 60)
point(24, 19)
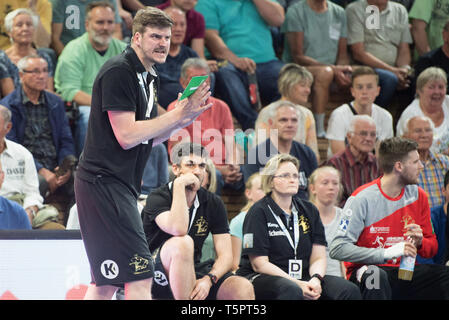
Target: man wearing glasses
point(39, 123)
point(177, 219)
point(357, 162)
point(283, 121)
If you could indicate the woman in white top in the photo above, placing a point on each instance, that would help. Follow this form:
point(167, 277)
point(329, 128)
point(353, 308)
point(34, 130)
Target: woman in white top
point(324, 191)
point(432, 102)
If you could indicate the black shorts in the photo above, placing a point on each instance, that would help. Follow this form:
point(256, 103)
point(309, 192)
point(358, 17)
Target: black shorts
point(161, 290)
point(112, 231)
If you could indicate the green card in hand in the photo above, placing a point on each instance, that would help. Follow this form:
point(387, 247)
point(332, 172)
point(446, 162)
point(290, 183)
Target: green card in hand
point(194, 83)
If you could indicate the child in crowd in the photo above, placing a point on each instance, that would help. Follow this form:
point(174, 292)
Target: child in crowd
point(364, 88)
point(324, 192)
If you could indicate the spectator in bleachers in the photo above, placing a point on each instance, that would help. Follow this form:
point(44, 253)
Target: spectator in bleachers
point(432, 102)
point(357, 163)
point(438, 57)
point(214, 129)
point(21, 183)
point(239, 32)
point(21, 26)
point(81, 60)
point(428, 18)
point(380, 38)
point(6, 81)
point(40, 125)
point(169, 72)
point(42, 11)
point(431, 178)
point(294, 84)
point(283, 119)
point(364, 89)
point(196, 27)
point(324, 191)
point(12, 215)
point(327, 59)
point(68, 22)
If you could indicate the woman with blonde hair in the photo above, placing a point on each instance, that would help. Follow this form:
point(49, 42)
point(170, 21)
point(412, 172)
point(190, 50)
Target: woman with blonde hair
point(294, 83)
point(284, 245)
point(324, 192)
point(253, 193)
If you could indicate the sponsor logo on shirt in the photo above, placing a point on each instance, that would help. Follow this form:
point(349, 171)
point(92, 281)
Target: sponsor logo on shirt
point(273, 233)
point(343, 226)
point(374, 229)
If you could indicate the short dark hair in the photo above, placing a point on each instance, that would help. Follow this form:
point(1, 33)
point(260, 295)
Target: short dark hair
point(150, 17)
point(364, 71)
point(393, 150)
point(185, 149)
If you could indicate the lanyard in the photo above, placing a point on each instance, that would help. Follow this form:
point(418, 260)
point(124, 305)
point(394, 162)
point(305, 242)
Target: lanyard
point(196, 204)
point(149, 94)
point(284, 229)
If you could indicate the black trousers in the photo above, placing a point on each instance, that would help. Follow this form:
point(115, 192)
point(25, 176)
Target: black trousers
point(429, 282)
point(268, 287)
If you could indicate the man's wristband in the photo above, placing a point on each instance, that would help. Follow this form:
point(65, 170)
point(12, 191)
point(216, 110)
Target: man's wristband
point(213, 278)
point(318, 276)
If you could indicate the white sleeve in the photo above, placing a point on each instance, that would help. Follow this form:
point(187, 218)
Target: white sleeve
point(338, 124)
point(31, 184)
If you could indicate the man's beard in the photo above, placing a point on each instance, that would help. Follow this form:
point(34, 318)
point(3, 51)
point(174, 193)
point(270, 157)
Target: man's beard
point(101, 40)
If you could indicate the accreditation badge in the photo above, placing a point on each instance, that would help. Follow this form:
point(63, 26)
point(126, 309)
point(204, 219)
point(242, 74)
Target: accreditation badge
point(295, 268)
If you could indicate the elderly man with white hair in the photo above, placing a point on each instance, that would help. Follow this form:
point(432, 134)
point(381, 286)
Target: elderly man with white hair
point(431, 178)
point(357, 162)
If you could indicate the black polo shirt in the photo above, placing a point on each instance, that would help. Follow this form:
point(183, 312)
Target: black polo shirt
point(117, 87)
point(262, 235)
point(211, 216)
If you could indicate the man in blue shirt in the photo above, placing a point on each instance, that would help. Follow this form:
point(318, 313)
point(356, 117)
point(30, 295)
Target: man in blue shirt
point(283, 121)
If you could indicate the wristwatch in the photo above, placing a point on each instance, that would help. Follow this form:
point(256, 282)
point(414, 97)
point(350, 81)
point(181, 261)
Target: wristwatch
point(212, 277)
point(318, 276)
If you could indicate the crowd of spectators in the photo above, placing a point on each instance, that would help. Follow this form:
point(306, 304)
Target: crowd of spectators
point(273, 67)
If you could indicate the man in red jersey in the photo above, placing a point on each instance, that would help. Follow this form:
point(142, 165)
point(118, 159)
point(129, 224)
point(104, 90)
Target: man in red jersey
point(385, 220)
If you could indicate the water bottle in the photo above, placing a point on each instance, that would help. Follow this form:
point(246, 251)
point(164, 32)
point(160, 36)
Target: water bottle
point(406, 267)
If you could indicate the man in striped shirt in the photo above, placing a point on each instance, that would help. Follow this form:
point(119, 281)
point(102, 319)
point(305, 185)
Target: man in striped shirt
point(431, 178)
point(357, 162)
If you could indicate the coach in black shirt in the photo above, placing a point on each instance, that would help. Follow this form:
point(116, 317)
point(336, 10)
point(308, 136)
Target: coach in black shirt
point(122, 130)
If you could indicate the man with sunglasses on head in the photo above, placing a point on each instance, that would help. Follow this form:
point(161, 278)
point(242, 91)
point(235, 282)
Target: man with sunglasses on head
point(177, 219)
point(357, 162)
